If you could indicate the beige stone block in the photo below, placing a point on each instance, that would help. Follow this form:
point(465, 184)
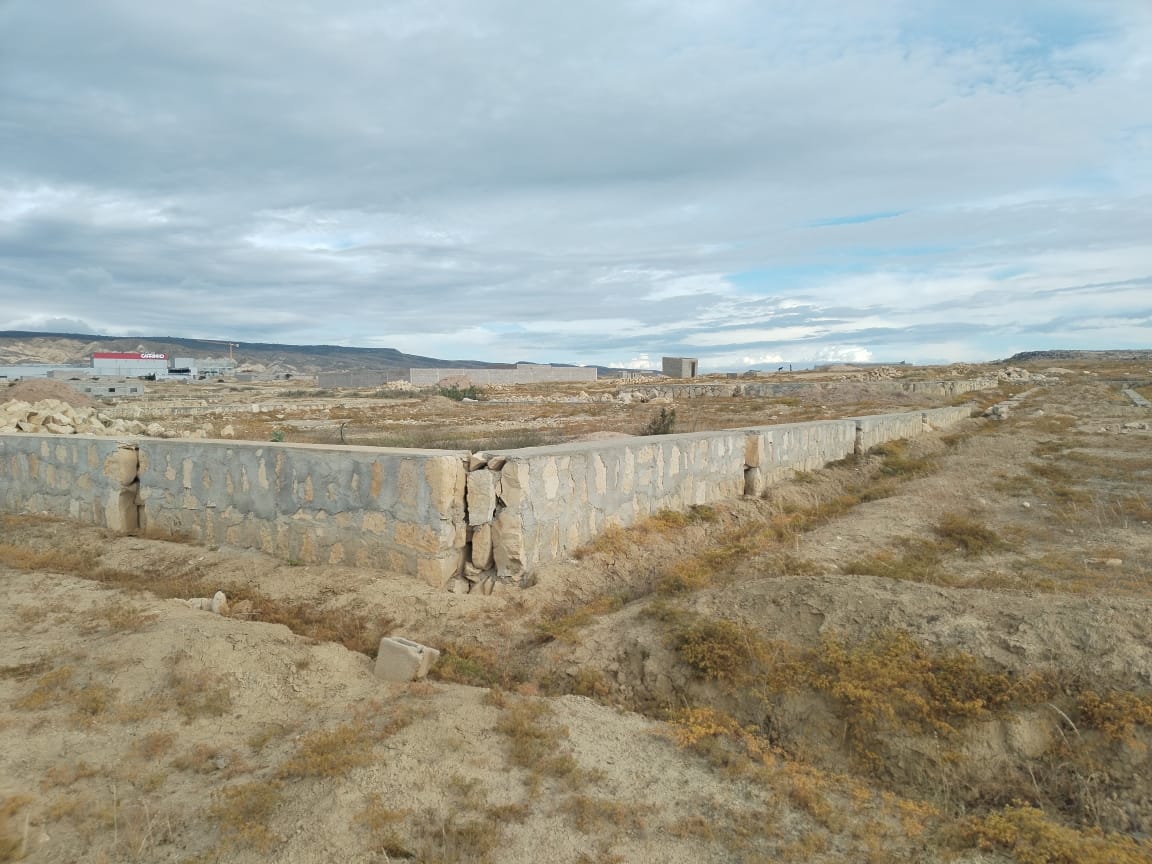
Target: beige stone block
point(508, 545)
point(438, 571)
point(375, 523)
point(600, 483)
point(408, 482)
point(122, 465)
point(551, 478)
point(513, 482)
point(755, 450)
point(425, 538)
point(481, 498)
point(446, 477)
point(482, 546)
point(753, 482)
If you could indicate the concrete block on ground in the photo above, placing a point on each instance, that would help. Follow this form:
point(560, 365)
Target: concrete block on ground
point(400, 659)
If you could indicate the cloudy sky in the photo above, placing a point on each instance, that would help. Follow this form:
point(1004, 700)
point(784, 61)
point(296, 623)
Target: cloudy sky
point(746, 182)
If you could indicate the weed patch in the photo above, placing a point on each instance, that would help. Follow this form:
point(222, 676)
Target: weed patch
point(1030, 837)
point(11, 841)
point(196, 693)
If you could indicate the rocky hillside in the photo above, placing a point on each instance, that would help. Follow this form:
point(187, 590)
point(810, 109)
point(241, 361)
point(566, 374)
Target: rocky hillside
point(22, 347)
point(1138, 354)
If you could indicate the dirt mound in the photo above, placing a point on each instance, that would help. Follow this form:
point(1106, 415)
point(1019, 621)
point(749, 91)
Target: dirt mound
point(43, 388)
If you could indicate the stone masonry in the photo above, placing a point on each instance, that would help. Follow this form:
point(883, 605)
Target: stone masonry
point(456, 519)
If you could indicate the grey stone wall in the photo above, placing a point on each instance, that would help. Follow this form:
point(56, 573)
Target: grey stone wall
point(540, 503)
point(395, 509)
point(713, 389)
point(549, 500)
point(436, 514)
point(524, 373)
point(86, 478)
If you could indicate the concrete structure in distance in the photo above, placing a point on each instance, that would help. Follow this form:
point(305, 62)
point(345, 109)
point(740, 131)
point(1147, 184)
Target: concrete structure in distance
point(680, 367)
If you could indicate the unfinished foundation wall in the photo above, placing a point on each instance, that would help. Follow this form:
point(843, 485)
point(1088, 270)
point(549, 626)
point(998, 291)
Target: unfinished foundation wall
point(844, 389)
point(436, 514)
point(534, 506)
point(89, 479)
point(392, 509)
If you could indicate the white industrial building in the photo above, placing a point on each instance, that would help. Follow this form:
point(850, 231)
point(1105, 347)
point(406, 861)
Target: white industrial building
point(130, 364)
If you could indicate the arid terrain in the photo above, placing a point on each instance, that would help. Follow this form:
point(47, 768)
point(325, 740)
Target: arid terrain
point(938, 651)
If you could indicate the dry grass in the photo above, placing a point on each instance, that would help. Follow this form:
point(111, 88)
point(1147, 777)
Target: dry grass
point(13, 840)
point(1030, 837)
point(588, 813)
point(63, 686)
point(334, 752)
point(196, 692)
point(242, 814)
point(380, 822)
point(535, 744)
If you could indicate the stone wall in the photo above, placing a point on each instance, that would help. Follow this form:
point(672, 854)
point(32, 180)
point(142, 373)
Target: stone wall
point(539, 502)
point(395, 509)
point(436, 514)
point(85, 478)
point(713, 389)
point(524, 373)
point(533, 506)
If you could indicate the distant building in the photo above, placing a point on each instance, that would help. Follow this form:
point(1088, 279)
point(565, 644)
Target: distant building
point(41, 370)
point(129, 364)
point(680, 367)
point(108, 388)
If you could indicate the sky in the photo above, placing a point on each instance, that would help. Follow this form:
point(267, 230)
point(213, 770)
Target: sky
point(750, 183)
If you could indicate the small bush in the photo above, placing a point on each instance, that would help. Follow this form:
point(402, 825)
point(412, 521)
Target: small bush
point(1115, 713)
point(899, 462)
point(243, 812)
point(380, 822)
point(331, 752)
point(458, 394)
point(197, 693)
point(663, 423)
point(1028, 835)
point(972, 537)
point(720, 650)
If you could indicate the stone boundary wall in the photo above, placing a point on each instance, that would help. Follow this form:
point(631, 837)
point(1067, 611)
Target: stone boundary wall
point(533, 506)
point(437, 514)
point(524, 373)
point(712, 389)
point(392, 509)
point(85, 478)
point(359, 378)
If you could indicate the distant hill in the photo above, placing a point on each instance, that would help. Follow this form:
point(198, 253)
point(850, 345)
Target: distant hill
point(20, 347)
point(1061, 354)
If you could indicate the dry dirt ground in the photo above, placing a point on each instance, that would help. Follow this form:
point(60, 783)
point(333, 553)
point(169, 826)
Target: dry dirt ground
point(939, 652)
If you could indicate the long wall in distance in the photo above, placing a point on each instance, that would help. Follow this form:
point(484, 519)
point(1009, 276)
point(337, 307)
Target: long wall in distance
point(534, 506)
point(450, 517)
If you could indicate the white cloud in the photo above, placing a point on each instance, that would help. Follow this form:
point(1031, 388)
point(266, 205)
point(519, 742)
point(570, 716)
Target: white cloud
point(408, 177)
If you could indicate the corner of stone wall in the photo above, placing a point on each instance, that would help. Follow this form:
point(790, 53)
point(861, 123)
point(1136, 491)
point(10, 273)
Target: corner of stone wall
point(756, 447)
point(483, 507)
point(123, 466)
